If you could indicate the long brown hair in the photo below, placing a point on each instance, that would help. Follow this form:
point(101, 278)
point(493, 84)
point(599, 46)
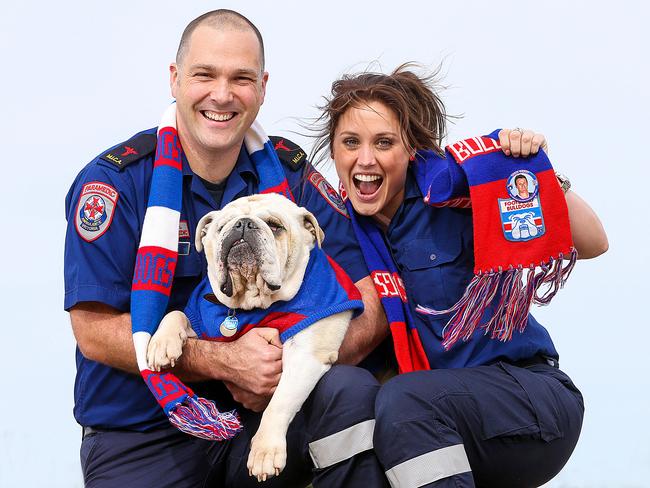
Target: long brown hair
point(420, 111)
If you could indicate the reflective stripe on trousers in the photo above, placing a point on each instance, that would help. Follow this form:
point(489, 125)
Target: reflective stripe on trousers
point(342, 445)
point(429, 467)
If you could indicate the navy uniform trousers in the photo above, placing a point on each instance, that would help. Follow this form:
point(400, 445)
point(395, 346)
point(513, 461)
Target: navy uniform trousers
point(489, 426)
point(329, 441)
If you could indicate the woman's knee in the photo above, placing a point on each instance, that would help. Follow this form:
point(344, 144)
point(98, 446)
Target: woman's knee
point(411, 394)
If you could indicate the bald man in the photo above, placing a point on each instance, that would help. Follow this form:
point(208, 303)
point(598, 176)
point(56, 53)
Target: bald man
point(219, 83)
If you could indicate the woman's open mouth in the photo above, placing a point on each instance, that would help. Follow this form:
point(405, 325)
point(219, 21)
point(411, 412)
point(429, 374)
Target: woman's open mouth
point(367, 185)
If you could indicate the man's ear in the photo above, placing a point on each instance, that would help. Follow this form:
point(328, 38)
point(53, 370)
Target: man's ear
point(311, 224)
point(173, 78)
point(264, 80)
point(202, 228)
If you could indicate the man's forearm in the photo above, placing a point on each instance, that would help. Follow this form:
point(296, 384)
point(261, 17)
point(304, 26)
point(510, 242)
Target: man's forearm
point(203, 361)
point(368, 330)
point(104, 335)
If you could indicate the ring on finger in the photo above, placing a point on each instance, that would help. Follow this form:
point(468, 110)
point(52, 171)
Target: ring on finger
point(517, 129)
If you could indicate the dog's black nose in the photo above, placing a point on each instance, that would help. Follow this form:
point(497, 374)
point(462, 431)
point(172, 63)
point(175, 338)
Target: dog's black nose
point(245, 224)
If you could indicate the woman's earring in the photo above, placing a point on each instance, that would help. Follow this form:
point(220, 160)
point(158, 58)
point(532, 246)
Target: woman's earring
point(412, 158)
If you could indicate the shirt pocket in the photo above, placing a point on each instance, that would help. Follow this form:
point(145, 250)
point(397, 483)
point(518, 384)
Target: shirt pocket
point(188, 275)
point(435, 271)
point(189, 265)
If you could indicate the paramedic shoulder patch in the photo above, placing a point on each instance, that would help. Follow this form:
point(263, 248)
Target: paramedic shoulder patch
point(136, 148)
point(95, 210)
point(328, 193)
point(289, 152)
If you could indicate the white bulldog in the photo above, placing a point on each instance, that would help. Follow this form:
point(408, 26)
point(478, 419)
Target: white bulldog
point(257, 249)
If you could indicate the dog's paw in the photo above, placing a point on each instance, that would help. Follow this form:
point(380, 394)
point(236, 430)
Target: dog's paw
point(164, 350)
point(268, 455)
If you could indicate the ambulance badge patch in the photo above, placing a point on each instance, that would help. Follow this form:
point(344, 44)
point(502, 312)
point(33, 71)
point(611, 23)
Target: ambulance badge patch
point(95, 210)
point(328, 193)
point(521, 221)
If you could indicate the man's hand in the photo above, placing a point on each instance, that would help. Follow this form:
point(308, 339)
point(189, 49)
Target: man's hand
point(254, 367)
point(251, 401)
point(521, 142)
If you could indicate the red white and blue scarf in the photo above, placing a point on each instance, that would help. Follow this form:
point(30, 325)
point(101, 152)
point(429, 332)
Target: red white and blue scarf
point(154, 273)
point(518, 248)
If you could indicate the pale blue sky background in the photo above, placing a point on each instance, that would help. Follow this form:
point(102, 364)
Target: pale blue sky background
point(81, 76)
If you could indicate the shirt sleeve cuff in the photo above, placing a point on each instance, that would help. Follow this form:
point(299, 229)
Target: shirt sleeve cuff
point(119, 299)
point(356, 269)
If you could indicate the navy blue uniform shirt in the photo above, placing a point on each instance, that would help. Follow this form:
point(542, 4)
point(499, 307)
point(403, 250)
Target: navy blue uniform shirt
point(102, 270)
point(433, 249)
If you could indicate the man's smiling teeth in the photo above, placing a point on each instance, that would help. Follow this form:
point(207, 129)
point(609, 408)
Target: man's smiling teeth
point(367, 178)
point(219, 117)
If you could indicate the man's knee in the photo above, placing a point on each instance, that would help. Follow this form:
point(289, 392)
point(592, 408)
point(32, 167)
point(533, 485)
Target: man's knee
point(340, 415)
point(343, 397)
point(347, 386)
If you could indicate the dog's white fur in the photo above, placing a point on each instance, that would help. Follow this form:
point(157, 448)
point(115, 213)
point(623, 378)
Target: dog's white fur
point(271, 269)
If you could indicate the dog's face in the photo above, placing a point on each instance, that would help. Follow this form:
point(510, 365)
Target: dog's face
point(257, 248)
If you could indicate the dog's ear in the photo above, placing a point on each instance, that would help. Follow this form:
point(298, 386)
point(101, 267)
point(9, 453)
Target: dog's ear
point(311, 224)
point(202, 228)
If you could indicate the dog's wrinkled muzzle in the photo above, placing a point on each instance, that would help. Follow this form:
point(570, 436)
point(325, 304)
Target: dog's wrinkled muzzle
point(240, 251)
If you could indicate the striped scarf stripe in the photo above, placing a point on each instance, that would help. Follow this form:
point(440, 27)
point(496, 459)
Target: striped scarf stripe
point(156, 263)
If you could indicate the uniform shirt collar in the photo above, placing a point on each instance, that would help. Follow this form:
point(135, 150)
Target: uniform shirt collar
point(238, 180)
point(411, 188)
point(244, 165)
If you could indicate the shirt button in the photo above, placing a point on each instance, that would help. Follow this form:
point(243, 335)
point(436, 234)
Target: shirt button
point(433, 257)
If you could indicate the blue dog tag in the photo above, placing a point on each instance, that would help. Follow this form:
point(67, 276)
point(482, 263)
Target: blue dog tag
point(228, 327)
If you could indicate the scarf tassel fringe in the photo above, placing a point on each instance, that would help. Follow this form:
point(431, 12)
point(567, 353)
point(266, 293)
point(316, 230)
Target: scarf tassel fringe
point(201, 418)
point(520, 287)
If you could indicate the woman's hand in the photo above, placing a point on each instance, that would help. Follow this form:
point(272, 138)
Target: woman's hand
point(587, 231)
point(521, 142)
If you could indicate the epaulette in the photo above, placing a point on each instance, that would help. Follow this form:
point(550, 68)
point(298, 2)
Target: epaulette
point(289, 152)
point(136, 148)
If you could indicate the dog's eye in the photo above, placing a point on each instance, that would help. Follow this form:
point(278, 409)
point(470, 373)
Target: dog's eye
point(275, 226)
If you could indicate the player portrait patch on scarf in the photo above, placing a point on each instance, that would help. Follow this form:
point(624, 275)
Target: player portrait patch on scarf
point(95, 210)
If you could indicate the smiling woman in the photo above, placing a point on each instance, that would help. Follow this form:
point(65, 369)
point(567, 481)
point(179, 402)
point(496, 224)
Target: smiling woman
point(371, 159)
point(467, 408)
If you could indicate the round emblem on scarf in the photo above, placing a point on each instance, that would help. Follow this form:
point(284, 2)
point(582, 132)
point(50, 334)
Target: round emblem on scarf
point(522, 186)
point(228, 327)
